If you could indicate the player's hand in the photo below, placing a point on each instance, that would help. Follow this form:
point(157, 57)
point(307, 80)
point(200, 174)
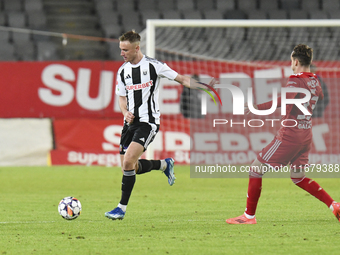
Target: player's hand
point(197, 84)
point(129, 117)
point(212, 82)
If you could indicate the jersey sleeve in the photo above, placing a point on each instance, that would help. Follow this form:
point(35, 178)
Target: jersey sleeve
point(120, 88)
point(164, 71)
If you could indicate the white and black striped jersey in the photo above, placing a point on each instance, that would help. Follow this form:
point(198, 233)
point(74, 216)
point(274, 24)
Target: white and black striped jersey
point(140, 84)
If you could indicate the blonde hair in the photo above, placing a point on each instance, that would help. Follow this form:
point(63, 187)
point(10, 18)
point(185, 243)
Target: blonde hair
point(130, 36)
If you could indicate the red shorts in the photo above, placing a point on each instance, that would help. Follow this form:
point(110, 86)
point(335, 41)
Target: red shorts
point(281, 153)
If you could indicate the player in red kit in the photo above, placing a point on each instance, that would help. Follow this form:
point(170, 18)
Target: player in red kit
point(292, 142)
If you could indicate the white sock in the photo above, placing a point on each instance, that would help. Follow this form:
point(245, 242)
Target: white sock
point(163, 165)
point(249, 216)
point(123, 207)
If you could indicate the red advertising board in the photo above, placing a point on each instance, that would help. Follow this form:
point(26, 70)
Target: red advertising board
point(58, 89)
point(96, 141)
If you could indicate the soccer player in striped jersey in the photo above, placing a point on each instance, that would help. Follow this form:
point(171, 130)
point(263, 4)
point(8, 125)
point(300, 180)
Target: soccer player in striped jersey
point(291, 145)
point(138, 89)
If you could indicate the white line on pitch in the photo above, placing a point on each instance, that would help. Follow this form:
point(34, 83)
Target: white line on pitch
point(26, 222)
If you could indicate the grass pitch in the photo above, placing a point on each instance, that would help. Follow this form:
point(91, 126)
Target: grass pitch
point(187, 218)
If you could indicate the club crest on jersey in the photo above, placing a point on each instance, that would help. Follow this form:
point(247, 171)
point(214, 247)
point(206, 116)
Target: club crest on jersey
point(139, 86)
point(145, 72)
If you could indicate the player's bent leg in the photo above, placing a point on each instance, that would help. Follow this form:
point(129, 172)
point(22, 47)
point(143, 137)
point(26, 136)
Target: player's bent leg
point(166, 166)
point(313, 188)
point(132, 155)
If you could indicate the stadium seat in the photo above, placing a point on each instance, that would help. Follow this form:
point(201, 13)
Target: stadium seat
point(4, 36)
point(256, 35)
point(16, 19)
point(277, 14)
point(335, 31)
point(290, 4)
point(12, 5)
point(318, 14)
point(334, 14)
point(7, 52)
point(199, 46)
point(257, 14)
point(108, 17)
point(218, 49)
point(166, 5)
point(185, 5)
point(143, 5)
point(149, 14)
point(192, 14)
point(171, 14)
point(329, 5)
point(329, 53)
point(260, 54)
point(213, 14)
point(298, 35)
point(278, 35)
point(235, 14)
point(112, 30)
point(247, 5)
point(33, 5)
point(298, 14)
point(46, 51)
point(3, 20)
point(131, 20)
point(268, 5)
point(213, 32)
point(37, 20)
point(311, 5)
point(25, 51)
point(235, 34)
point(315, 33)
point(21, 38)
point(125, 6)
point(223, 5)
point(114, 51)
point(204, 5)
point(104, 5)
point(244, 52)
point(283, 52)
point(133, 26)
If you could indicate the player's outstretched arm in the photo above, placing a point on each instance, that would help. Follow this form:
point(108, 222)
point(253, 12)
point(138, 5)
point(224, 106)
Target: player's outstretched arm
point(192, 83)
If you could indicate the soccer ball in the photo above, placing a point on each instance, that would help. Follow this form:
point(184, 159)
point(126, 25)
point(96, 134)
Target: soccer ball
point(69, 208)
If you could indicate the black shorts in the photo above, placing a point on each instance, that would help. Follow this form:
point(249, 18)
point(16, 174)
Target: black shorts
point(142, 133)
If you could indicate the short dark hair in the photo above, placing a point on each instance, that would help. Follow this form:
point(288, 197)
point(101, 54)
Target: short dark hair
point(304, 54)
point(130, 36)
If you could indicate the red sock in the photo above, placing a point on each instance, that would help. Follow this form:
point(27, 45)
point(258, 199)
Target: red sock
point(314, 189)
point(254, 192)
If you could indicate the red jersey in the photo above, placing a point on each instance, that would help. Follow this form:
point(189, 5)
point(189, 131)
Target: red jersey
point(300, 130)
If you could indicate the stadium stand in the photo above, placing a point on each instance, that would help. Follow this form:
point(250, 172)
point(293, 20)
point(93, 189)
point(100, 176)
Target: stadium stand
point(106, 18)
point(166, 5)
